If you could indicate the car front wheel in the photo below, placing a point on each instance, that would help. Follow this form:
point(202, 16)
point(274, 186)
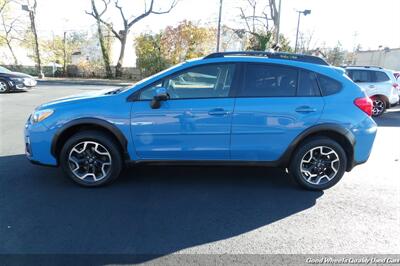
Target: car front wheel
point(91, 158)
point(318, 164)
point(3, 86)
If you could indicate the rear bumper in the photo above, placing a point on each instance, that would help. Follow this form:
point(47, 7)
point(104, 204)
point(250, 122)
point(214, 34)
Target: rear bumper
point(394, 99)
point(364, 134)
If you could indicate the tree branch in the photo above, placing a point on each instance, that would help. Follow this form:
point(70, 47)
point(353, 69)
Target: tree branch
point(245, 19)
point(97, 15)
point(122, 14)
point(151, 11)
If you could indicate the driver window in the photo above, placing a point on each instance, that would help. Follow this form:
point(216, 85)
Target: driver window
point(149, 93)
point(207, 81)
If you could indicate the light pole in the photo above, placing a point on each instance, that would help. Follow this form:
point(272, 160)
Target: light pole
point(305, 13)
point(219, 25)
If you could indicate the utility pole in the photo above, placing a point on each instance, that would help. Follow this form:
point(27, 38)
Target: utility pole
point(219, 25)
point(278, 27)
point(305, 13)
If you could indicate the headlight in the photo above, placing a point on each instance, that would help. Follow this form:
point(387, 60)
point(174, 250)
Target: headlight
point(41, 115)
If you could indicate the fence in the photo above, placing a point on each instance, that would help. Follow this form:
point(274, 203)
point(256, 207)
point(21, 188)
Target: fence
point(131, 73)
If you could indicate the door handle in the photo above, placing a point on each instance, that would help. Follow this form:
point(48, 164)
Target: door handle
point(218, 111)
point(371, 86)
point(305, 109)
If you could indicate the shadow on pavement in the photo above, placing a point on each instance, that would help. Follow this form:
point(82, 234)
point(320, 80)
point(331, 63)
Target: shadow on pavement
point(389, 119)
point(151, 211)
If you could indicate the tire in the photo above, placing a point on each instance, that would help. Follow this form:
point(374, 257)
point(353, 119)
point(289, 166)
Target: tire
point(4, 86)
point(314, 155)
point(379, 106)
point(91, 158)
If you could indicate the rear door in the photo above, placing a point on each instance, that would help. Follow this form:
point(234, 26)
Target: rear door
point(382, 81)
point(274, 104)
point(364, 79)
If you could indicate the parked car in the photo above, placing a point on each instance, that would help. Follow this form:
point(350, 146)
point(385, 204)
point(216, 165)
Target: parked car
point(237, 108)
point(14, 81)
point(380, 84)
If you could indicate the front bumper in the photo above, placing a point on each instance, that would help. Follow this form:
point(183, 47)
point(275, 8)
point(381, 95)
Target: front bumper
point(37, 139)
point(26, 83)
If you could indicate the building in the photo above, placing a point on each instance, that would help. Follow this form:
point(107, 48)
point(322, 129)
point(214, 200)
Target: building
point(387, 58)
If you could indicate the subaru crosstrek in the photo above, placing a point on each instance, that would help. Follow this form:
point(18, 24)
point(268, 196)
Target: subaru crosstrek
point(239, 108)
point(379, 84)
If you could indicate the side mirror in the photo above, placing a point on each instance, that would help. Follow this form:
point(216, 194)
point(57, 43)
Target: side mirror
point(159, 95)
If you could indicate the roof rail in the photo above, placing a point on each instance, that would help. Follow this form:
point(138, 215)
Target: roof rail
point(365, 66)
point(275, 55)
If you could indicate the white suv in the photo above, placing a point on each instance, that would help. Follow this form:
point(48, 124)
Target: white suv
point(380, 85)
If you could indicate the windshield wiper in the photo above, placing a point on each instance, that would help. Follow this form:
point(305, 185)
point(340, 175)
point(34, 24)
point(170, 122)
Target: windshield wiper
point(116, 91)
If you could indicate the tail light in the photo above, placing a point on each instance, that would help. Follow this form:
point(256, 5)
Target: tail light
point(365, 104)
point(396, 86)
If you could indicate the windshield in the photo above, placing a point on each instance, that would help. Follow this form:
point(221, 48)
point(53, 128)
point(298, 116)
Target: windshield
point(157, 74)
point(4, 70)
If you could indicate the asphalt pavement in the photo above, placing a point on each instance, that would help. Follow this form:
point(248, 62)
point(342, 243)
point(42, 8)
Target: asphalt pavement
point(159, 211)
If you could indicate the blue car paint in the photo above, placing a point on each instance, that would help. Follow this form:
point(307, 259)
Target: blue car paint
point(183, 129)
point(262, 128)
point(249, 129)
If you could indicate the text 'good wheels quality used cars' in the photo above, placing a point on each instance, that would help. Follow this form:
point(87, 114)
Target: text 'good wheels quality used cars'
point(272, 109)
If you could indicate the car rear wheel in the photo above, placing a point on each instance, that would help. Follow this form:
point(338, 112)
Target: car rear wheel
point(318, 164)
point(3, 86)
point(379, 106)
point(91, 158)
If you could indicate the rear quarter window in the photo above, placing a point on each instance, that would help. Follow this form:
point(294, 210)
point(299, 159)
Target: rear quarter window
point(328, 85)
point(381, 76)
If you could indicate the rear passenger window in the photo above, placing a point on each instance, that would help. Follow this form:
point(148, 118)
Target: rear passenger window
point(360, 75)
point(308, 84)
point(263, 80)
point(381, 76)
point(328, 86)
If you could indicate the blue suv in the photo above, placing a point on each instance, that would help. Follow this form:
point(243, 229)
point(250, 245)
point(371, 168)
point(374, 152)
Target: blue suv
point(238, 108)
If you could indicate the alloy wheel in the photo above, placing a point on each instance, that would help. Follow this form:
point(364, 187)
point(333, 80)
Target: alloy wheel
point(90, 161)
point(378, 107)
point(3, 86)
point(319, 165)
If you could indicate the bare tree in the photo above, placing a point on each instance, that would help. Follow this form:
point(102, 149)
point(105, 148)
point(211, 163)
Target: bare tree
point(10, 30)
point(122, 34)
point(10, 34)
point(31, 9)
point(3, 4)
point(306, 42)
point(260, 19)
point(258, 22)
point(104, 49)
point(274, 12)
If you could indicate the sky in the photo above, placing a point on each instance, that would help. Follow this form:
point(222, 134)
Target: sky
point(370, 23)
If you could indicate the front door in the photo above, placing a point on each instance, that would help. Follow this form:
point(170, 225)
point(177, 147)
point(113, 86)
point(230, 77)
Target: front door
point(194, 123)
